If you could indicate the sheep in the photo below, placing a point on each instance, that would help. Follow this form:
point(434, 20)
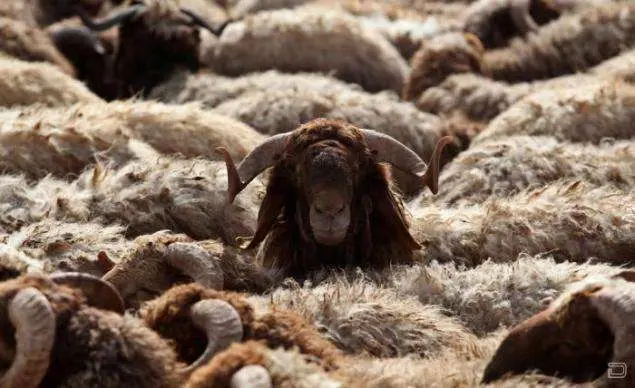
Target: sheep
point(156, 38)
point(75, 344)
point(70, 247)
point(29, 43)
point(183, 195)
point(492, 296)
point(167, 315)
point(570, 44)
point(587, 113)
point(570, 220)
point(65, 140)
point(363, 318)
point(72, 344)
point(26, 83)
point(362, 56)
point(504, 167)
point(154, 263)
point(577, 337)
point(480, 98)
point(325, 220)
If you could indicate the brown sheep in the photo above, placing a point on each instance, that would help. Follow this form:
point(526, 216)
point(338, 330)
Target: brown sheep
point(52, 337)
point(570, 44)
point(29, 43)
point(156, 38)
point(156, 262)
point(168, 315)
point(578, 337)
point(334, 198)
point(481, 98)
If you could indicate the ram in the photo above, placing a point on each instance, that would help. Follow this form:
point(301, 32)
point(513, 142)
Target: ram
point(586, 113)
point(328, 200)
point(504, 167)
point(583, 336)
point(156, 262)
point(311, 39)
point(571, 44)
point(29, 43)
point(28, 83)
point(156, 38)
point(481, 98)
point(568, 219)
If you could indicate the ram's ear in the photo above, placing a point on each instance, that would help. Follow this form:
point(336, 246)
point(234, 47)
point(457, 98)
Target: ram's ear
point(387, 212)
point(278, 191)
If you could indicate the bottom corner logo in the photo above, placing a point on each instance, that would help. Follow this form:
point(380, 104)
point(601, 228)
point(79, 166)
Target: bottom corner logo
point(617, 370)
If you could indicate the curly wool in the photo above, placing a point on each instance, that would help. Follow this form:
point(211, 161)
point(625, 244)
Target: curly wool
point(364, 318)
point(263, 41)
point(503, 167)
point(481, 98)
point(25, 83)
point(586, 113)
point(66, 140)
point(572, 221)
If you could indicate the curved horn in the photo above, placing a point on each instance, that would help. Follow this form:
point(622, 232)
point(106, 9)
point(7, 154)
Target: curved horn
point(221, 323)
point(390, 150)
point(98, 292)
point(199, 21)
point(258, 160)
point(196, 263)
point(81, 37)
point(251, 376)
point(519, 13)
point(34, 322)
point(616, 307)
point(113, 20)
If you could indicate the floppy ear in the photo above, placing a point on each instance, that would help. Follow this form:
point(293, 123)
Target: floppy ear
point(278, 191)
point(387, 212)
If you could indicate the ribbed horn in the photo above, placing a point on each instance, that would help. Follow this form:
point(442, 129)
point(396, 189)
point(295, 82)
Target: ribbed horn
point(32, 317)
point(113, 20)
point(221, 323)
point(258, 160)
point(99, 293)
point(390, 150)
point(199, 21)
point(196, 263)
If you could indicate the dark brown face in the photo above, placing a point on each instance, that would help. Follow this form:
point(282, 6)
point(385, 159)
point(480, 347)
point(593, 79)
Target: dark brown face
point(328, 173)
point(575, 345)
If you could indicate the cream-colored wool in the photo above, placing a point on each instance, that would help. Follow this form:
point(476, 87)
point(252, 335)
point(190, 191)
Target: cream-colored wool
point(503, 167)
point(586, 113)
point(569, 220)
point(27, 83)
point(311, 39)
point(66, 140)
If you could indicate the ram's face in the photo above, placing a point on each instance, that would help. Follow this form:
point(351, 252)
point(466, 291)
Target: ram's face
point(328, 172)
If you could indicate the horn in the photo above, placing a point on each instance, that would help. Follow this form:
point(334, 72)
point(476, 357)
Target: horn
point(195, 262)
point(519, 13)
point(77, 36)
point(32, 317)
point(251, 376)
point(112, 20)
point(258, 160)
point(199, 21)
point(98, 292)
point(390, 150)
point(221, 323)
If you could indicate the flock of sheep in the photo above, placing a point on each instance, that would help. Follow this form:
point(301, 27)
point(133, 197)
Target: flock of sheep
point(317, 193)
